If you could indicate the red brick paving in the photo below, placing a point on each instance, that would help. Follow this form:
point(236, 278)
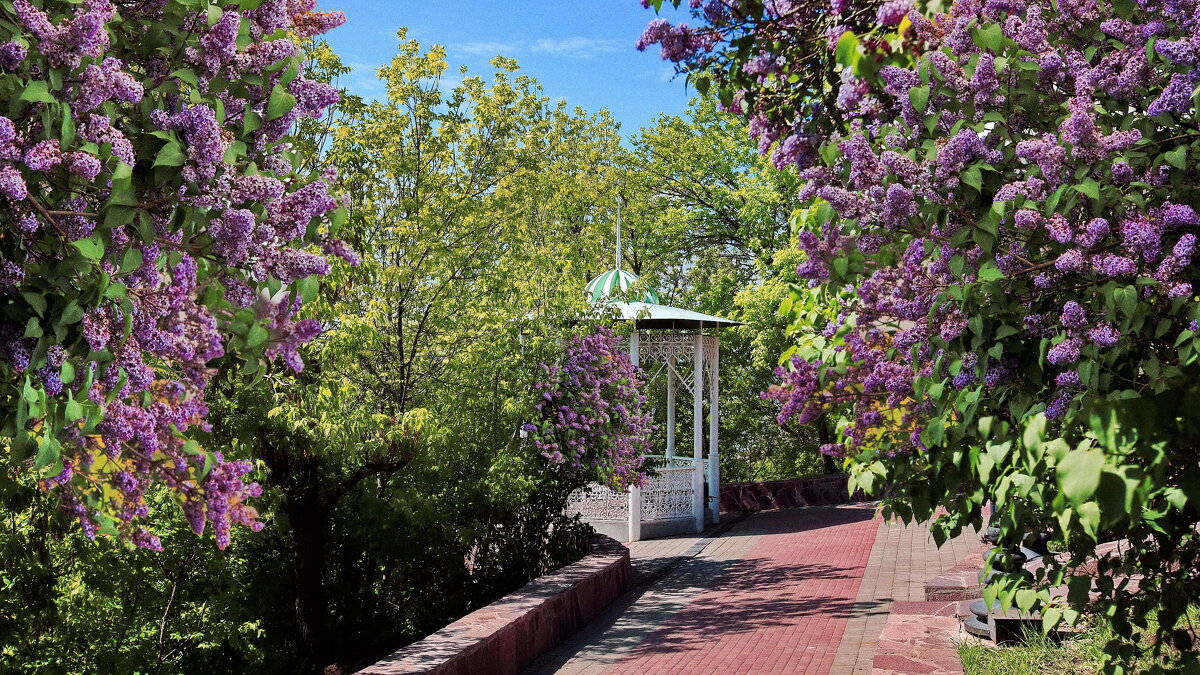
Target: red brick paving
point(782, 609)
point(789, 591)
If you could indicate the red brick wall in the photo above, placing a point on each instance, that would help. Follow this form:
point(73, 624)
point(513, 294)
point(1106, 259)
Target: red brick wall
point(782, 494)
point(510, 633)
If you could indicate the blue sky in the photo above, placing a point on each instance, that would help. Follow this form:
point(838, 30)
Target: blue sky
point(580, 50)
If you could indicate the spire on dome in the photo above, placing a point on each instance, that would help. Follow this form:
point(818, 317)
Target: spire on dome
point(615, 284)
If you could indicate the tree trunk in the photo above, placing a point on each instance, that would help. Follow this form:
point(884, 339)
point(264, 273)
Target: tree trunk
point(307, 516)
point(824, 437)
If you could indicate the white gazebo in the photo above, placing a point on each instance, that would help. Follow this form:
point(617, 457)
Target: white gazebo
point(668, 341)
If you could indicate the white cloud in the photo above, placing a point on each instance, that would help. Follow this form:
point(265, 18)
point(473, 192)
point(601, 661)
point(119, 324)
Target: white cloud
point(485, 48)
point(363, 81)
point(578, 47)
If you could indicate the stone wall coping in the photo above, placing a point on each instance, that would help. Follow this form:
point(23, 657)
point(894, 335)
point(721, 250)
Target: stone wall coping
point(510, 633)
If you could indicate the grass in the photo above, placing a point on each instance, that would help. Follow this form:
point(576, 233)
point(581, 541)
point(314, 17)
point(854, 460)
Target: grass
point(1037, 654)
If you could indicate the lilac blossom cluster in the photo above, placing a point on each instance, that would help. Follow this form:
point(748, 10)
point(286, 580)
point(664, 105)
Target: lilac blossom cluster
point(166, 192)
point(773, 79)
point(592, 412)
point(1066, 225)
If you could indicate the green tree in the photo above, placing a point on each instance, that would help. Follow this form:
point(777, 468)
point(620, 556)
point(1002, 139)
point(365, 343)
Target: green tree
point(708, 220)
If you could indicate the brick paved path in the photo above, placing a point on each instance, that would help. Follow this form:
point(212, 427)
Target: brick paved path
point(788, 591)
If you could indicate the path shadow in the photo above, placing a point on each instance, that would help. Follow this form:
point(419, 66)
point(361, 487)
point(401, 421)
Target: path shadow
point(745, 596)
point(669, 613)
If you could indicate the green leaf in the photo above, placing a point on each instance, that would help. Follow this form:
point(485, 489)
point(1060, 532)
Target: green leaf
point(251, 122)
point(209, 460)
point(990, 272)
point(36, 300)
point(1089, 518)
point(32, 328)
point(256, 336)
point(1031, 437)
point(973, 177)
point(67, 128)
point(48, 452)
point(919, 97)
point(1025, 599)
point(1177, 157)
point(280, 103)
point(66, 373)
point(170, 154)
point(71, 314)
point(337, 219)
point(1079, 474)
point(131, 261)
point(186, 75)
point(1090, 188)
point(73, 410)
point(307, 288)
point(92, 248)
point(1126, 299)
point(1051, 617)
point(115, 291)
point(989, 37)
point(37, 92)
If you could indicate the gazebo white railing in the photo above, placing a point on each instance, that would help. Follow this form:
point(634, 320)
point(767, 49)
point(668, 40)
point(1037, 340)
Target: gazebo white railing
point(673, 500)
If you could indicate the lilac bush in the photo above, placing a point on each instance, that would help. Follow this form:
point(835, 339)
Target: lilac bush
point(154, 221)
point(592, 412)
point(1013, 205)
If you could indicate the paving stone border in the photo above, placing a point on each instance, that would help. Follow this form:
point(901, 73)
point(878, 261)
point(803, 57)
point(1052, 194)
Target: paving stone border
point(507, 635)
point(786, 494)
point(960, 582)
point(920, 637)
point(923, 637)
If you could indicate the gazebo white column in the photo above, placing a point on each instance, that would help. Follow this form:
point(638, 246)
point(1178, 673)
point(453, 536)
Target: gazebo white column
point(635, 493)
point(698, 430)
point(714, 413)
point(671, 386)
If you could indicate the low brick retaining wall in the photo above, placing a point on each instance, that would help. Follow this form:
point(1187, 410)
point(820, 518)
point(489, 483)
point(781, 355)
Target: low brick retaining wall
point(510, 633)
point(782, 494)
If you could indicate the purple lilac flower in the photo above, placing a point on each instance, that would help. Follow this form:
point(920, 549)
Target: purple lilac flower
point(1064, 352)
point(44, 155)
point(1104, 335)
point(12, 54)
point(1068, 378)
point(1073, 316)
point(892, 12)
point(12, 184)
point(1122, 174)
point(83, 165)
point(1176, 97)
point(1059, 405)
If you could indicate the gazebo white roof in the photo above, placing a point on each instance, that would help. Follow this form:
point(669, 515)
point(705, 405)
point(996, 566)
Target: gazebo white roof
point(650, 315)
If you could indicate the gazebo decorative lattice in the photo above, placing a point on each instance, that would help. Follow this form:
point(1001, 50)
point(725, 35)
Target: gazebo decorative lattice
point(686, 491)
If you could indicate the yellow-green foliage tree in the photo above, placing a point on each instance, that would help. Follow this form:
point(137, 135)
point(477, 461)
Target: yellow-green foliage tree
point(472, 209)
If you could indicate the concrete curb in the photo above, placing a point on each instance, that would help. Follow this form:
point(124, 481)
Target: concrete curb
point(507, 635)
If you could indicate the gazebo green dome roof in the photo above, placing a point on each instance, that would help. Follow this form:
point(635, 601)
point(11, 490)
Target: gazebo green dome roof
point(615, 284)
